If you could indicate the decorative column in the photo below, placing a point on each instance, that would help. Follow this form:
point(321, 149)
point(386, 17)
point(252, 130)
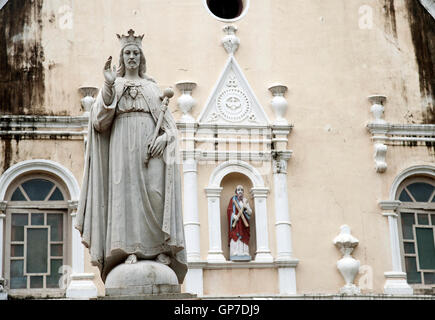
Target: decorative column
point(190, 210)
point(3, 293)
point(348, 266)
point(279, 103)
point(215, 253)
point(379, 137)
point(81, 285)
point(88, 94)
point(185, 101)
point(194, 277)
point(285, 260)
point(260, 201)
point(395, 283)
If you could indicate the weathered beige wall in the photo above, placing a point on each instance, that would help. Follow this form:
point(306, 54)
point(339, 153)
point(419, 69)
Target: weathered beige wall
point(240, 281)
point(330, 65)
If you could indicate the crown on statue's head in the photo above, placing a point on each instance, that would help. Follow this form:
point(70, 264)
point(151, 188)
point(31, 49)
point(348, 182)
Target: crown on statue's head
point(130, 39)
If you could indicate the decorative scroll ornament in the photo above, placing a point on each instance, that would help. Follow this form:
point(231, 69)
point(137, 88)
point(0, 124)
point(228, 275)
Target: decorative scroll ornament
point(380, 155)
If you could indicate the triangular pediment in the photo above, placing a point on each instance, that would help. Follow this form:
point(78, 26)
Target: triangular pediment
point(232, 101)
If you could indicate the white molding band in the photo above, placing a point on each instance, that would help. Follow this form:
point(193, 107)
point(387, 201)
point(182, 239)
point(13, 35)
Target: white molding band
point(43, 127)
point(384, 134)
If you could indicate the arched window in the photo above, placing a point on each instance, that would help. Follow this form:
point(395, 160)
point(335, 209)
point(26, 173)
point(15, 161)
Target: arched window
point(417, 224)
point(37, 234)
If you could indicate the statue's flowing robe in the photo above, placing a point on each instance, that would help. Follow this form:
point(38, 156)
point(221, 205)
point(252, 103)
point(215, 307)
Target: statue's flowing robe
point(124, 206)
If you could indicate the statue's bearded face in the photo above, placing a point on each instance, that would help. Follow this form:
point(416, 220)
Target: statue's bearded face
point(239, 192)
point(131, 56)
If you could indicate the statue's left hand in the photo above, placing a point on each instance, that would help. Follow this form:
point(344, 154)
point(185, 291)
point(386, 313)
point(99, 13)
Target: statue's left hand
point(159, 145)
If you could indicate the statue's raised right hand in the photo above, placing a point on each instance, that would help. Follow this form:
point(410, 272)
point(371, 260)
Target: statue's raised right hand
point(109, 73)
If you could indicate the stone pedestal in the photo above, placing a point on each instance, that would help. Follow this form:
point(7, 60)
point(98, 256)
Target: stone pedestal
point(141, 278)
point(167, 296)
point(81, 286)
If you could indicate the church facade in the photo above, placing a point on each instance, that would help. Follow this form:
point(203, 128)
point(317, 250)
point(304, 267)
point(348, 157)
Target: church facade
point(323, 111)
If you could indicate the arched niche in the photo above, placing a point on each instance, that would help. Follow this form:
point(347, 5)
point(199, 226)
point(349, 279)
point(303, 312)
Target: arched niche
point(259, 193)
point(229, 184)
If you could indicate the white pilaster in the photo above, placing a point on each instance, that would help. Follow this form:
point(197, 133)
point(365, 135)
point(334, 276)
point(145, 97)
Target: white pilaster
point(260, 200)
point(287, 280)
point(215, 253)
point(282, 223)
point(194, 280)
point(190, 210)
point(395, 283)
point(2, 220)
point(287, 271)
point(3, 292)
point(81, 285)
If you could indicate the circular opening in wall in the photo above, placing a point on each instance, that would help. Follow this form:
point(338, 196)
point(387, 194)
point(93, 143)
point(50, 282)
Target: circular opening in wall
point(227, 10)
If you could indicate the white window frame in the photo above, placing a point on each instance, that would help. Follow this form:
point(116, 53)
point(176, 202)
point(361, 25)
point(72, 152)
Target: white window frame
point(414, 208)
point(29, 207)
point(396, 283)
point(72, 187)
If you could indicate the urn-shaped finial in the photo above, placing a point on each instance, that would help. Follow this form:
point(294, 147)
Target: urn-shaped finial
point(279, 102)
point(186, 102)
point(230, 41)
point(88, 93)
point(348, 266)
point(377, 108)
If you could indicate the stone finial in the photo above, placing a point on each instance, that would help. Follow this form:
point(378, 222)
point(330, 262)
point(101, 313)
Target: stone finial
point(279, 103)
point(230, 41)
point(348, 266)
point(186, 102)
point(88, 94)
point(377, 108)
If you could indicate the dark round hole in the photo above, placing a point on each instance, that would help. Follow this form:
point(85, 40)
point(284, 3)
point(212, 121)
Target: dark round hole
point(226, 9)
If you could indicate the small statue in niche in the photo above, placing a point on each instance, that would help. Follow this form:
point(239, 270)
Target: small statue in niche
point(239, 213)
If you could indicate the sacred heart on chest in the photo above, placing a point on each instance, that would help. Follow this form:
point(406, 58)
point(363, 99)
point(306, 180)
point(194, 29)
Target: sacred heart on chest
point(133, 92)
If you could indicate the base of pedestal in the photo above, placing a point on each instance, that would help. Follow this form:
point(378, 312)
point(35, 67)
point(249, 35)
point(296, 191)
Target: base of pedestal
point(168, 296)
point(144, 277)
point(240, 258)
point(396, 284)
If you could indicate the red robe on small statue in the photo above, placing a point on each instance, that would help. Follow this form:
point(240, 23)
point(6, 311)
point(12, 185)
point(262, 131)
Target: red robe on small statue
point(239, 214)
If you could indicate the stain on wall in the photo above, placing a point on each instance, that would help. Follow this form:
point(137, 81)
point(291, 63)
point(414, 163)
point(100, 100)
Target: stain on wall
point(21, 58)
point(390, 17)
point(422, 26)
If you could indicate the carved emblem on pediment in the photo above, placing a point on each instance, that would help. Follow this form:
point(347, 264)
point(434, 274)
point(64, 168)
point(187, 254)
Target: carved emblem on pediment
point(213, 117)
point(232, 103)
